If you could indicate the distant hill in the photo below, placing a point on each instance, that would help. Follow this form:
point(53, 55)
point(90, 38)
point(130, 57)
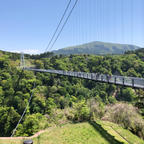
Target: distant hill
point(97, 48)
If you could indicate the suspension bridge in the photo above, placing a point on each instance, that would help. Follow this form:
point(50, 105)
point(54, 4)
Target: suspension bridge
point(113, 79)
point(134, 82)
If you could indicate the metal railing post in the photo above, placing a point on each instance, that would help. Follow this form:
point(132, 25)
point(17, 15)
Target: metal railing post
point(123, 81)
point(115, 80)
point(133, 82)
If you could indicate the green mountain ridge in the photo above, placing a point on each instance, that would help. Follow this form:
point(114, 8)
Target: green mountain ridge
point(97, 48)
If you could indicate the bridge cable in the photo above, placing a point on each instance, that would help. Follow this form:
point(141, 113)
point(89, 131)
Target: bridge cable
point(64, 24)
point(122, 22)
point(23, 112)
point(65, 11)
point(132, 14)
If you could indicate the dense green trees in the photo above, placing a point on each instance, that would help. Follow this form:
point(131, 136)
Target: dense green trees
point(31, 125)
point(127, 94)
point(8, 120)
point(54, 93)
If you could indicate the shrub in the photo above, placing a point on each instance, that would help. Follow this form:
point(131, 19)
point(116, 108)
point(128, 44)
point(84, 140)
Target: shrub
point(81, 111)
point(96, 109)
point(57, 116)
point(127, 116)
point(32, 124)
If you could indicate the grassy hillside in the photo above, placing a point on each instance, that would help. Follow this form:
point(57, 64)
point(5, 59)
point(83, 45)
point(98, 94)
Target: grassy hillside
point(119, 133)
point(83, 133)
point(98, 48)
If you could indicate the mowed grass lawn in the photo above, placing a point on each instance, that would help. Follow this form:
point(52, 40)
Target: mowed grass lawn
point(80, 133)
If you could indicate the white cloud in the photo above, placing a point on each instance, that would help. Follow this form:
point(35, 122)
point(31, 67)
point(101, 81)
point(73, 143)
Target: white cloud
point(28, 51)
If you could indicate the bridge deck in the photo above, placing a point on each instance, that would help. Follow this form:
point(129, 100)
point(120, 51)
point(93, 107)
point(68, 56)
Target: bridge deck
point(114, 79)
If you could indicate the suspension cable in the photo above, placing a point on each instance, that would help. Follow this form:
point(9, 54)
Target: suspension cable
point(132, 13)
point(64, 24)
point(122, 21)
point(65, 11)
point(23, 112)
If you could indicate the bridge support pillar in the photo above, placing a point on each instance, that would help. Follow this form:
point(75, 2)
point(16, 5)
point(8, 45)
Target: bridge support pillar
point(22, 61)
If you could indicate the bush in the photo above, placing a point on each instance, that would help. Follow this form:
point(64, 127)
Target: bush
point(81, 111)
point(96, 109)
point(127, 116)
point(58, 116)
point(127, 94)
point(32, 124)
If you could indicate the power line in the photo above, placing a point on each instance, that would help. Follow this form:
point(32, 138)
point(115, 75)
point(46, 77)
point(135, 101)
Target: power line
point(64, 24)
point(58, 25)
point(23, 113)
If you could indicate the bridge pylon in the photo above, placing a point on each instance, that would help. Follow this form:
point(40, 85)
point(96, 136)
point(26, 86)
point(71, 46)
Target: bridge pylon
point(22, 61)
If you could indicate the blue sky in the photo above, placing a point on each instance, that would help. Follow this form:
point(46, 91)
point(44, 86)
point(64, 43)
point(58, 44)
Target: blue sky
point(27, 25)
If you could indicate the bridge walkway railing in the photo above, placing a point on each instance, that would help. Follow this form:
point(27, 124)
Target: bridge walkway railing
point(113, 79)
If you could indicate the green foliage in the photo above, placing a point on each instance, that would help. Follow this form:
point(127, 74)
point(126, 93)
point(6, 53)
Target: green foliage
point(39, 64)
point(140, 101)
point(61, 97)
point(112, 100)
point(50, 105)
point(81, 111)
point(127, 94)
point(31, 125)
point(8, 120)
point(43, 55)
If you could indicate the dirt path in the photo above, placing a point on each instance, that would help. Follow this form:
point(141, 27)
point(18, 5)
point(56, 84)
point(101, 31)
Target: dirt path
point(31, 137)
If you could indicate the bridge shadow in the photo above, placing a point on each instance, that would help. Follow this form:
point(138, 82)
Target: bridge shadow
point(104, 133)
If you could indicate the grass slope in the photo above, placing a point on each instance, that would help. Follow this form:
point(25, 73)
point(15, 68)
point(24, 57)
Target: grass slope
point(98, 48)
point(83, 133)
point(119, 133)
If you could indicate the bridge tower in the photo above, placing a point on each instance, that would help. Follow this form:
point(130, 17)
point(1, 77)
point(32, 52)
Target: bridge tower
point(22, 61)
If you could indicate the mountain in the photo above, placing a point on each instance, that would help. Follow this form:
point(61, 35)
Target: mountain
point(97, 48)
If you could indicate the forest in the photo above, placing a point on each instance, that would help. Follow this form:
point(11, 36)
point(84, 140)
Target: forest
point(59, 99)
